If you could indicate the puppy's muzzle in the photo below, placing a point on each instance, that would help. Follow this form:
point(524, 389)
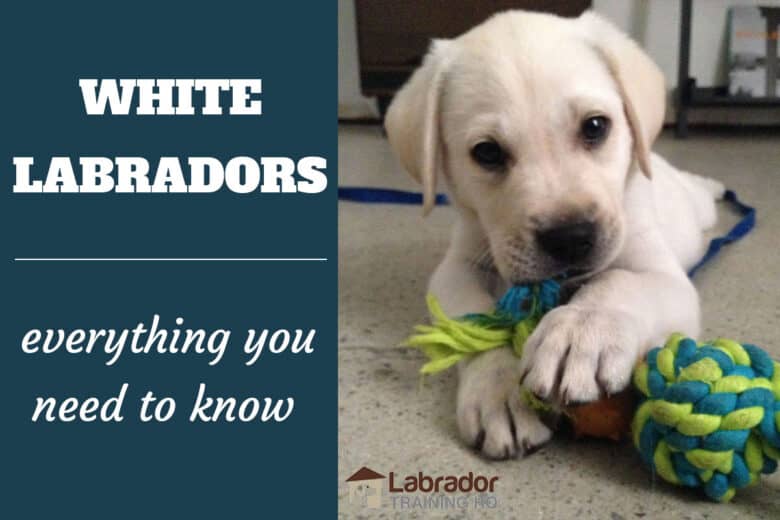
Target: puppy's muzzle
point(569, 243)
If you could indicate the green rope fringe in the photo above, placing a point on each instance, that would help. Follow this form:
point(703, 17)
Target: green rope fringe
point(448, 340)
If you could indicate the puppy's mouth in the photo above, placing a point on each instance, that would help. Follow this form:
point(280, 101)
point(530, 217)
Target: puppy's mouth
point(532, 272)
point(573, 274)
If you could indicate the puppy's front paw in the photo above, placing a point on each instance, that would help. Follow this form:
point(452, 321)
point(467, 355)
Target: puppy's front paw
point(577, 353)
point(491, 416)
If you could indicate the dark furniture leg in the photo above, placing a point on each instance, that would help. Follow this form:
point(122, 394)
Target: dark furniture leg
point(383, 102)
point(772, 20)
point(683, 78)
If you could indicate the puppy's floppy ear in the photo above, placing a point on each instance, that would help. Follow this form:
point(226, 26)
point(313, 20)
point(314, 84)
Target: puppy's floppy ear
point(412, 121)
point(640, 82)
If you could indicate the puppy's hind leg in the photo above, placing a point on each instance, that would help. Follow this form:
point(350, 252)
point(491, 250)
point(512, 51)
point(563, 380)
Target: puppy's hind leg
point(703, 192)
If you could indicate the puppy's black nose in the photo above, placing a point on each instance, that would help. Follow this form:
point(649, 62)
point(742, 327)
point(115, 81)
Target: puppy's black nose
point(569, 243)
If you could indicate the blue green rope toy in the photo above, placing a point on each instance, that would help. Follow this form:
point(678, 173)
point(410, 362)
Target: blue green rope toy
point(710, 415)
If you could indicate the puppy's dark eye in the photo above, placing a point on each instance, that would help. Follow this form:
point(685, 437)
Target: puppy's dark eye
point(594, 130)
point(489, 155)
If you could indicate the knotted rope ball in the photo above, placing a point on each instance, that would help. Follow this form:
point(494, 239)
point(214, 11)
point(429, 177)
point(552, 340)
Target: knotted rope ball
point(711, 415)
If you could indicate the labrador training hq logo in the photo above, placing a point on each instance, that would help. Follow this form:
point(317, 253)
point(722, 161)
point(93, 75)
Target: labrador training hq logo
point(422, 491)
point(365, 487)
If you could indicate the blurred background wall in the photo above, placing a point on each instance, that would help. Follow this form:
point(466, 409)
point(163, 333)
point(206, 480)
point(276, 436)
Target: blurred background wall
point(655, 24)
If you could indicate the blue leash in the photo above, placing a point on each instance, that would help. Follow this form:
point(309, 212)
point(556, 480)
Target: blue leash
point(741, 228)
point(386, 196)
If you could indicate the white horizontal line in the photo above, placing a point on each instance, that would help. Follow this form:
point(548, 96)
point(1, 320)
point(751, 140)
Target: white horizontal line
point(170, 259)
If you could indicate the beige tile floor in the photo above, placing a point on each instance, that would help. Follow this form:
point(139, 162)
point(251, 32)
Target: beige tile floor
point(388, 421)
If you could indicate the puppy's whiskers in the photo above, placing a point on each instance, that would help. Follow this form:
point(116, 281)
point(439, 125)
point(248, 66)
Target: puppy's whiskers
point(484, 259)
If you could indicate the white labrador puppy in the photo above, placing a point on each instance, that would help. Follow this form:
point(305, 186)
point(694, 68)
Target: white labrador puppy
point(540, 128)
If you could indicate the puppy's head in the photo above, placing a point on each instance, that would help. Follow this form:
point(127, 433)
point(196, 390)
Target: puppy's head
point(534, 122)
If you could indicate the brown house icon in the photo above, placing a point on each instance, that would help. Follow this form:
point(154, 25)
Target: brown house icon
point(365, 485)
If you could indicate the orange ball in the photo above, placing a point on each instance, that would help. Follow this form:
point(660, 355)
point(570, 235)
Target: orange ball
point(608, 418)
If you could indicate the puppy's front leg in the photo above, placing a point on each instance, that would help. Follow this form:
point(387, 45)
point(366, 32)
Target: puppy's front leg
point(491, 417)
point(589, 347)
